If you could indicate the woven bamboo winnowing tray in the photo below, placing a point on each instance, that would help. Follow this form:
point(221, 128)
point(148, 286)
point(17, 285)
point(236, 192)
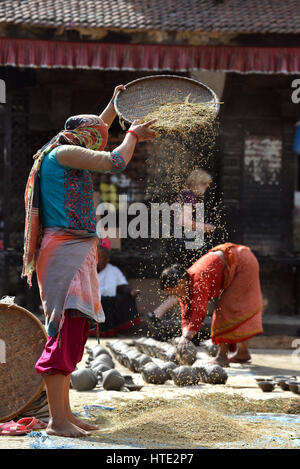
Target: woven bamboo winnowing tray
point(144, 95)
point(22, 340)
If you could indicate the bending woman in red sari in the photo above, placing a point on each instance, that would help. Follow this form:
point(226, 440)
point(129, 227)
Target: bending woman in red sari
point(59, 205)
point(230, 272)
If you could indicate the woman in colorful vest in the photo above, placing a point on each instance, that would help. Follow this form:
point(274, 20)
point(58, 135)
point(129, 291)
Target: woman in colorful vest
point(59, 206)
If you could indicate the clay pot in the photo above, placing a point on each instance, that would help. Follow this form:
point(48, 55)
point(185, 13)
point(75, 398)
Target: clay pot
point(283, 378)
point(152, 373)
point(133, 355)
point(171, 355)
point(125, 360)
point(202, 374)
point(184, 375)
point(141, 361)
point(139, 343)
point(189, 356)
point(89, 351)
point(83, 380)
point(167, 367)
point(284, 385)
point(215, 374)
point(112, 380)
point(129, 384)
point(284, 382)
point(294, 386)
point(99, 369)
point(211, 348)
point(99, 350)
point(97, 362)
point(149, 345)
point(105, 359)
point(266, 386)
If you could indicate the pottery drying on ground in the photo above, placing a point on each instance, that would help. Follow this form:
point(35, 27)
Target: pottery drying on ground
point(284, 382)
point(99, 350)
point(141, 361)
point(211, 348)
point(185, 375)
point(99, 361)
point(83, 380)
point(266, 386)
point(112, 380)
point(188, 356)
point(167, 367)
point(201, 370)
point(172, 355)
point(215, 374)
point(129, 383)
point(294, 386)
point(105, 360)
point(99, 369)
point(132, 357)
point(152, 373)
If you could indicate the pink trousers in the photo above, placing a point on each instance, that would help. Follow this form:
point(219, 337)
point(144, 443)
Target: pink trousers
point(62, 353)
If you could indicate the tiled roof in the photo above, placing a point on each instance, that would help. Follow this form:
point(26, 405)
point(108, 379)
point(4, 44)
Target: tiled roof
point(227, 16)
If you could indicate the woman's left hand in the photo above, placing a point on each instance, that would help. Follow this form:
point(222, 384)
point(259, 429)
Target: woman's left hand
point(182, 345)
point(116, 90)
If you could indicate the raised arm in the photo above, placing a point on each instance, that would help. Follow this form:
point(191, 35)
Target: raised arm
point(77, 157)
point(109, 113)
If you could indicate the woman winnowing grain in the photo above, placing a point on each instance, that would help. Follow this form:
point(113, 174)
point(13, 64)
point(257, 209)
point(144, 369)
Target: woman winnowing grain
point(230, 271)
point(59, 201)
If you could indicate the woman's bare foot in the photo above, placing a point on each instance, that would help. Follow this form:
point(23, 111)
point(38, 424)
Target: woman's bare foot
point(81, 424)
point(221, 361)
point(240, 358)
point(242, 355)
point(65, 428)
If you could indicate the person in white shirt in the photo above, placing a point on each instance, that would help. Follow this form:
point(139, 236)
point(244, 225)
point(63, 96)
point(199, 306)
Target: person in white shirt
point(117, 296)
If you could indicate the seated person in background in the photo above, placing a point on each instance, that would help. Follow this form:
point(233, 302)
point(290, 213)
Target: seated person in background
point(117, 297)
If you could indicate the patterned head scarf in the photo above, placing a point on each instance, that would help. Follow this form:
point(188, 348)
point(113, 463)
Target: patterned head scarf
point(85, 130)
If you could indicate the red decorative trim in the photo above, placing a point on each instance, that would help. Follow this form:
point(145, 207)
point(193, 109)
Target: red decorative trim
point(217, 340)
point(100, 56)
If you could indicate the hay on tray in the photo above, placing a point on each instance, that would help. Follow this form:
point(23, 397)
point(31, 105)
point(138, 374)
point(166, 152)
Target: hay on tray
point(181, 118)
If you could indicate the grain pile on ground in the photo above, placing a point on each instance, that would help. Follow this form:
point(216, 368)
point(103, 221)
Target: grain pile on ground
point(181, 118)
point(174, 424)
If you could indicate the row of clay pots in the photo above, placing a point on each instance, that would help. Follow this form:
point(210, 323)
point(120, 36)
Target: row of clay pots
point(154, 374)
point(99, 369)
point(166, 351)
point(286, 383)
point(128, 357)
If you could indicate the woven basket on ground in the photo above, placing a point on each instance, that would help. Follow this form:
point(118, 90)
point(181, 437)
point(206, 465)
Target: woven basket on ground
point(22, 339)
point(144, 95)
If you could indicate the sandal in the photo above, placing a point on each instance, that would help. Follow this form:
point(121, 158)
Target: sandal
point(31, 423)
point(12, 428)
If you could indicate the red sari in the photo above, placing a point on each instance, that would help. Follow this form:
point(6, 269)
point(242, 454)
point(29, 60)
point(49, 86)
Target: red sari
point(238, 315)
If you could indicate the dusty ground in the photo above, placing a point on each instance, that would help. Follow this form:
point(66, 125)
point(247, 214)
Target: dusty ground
point(240, 394)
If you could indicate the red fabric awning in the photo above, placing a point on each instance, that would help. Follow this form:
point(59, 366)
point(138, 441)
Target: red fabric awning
point(99, 56)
